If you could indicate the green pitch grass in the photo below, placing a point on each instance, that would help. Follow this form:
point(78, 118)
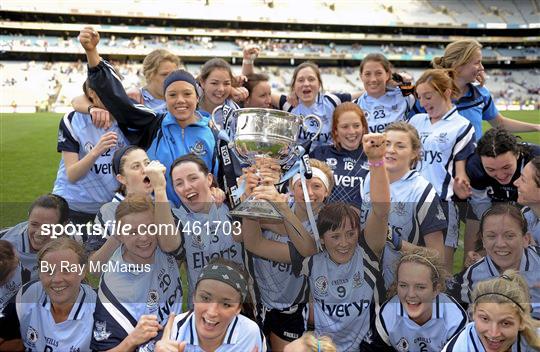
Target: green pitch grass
point(29, 161)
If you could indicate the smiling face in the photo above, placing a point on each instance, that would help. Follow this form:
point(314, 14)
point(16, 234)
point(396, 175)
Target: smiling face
point(501, 168)
point(132, 174)
point(528, 190)
point(472, 69)
point(497, 324)
point(317, 192)
point(341, 242)
point(260, 97)
point(415, 291)
point(38, 217)
point(307, 86)
point(399, 154)
point(181, 100)
point(215, 306)
point(435, 104)
point(504, 240)
point(375, 78)
point(61, 285)
point(217, 86)
point(349, 130)
point(192, 186)
point(139, 247)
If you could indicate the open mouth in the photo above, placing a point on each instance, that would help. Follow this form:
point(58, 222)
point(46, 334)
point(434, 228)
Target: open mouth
point(493, 343)
point(191, 196)
point(209, 324)
point(58, 289)
point(146, 180)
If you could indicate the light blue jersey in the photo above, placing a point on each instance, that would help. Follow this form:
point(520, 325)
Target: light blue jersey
point(342, 293)
point(200, 246)
point(324, 107)
point(242, 334)
point(276, 286)
point(382, 111)
point(415, 212)
point(469, 341)
point(128, 291)
point(28, 268)
point(485, 269)
point(448, 140)
point(403, 334)
point(156, 104)
point(77, 134)
point(105, 218)
point(533, 223)
point(40, 332)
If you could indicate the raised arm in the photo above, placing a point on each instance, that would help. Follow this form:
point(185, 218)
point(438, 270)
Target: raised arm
point(250, 53)
point(377, 221)
point(512, 125)
point(105, 81)
point(169, 238)
point(262, 247)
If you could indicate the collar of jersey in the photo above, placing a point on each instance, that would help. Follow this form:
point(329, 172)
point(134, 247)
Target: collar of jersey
point(523, 264)
point(436, 310)
point(203, 119)
point(448, 116)
point(74, 314)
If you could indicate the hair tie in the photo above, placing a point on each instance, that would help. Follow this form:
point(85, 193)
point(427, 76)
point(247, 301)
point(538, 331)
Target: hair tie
point(318, 345)
point(425, 260)
point(503, 295)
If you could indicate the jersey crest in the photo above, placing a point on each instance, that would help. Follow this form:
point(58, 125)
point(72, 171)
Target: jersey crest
point(32, 336)
point(321, 285)
point(402, 345)
point(100, 331)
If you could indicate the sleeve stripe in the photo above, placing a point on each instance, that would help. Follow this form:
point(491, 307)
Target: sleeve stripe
point(67, 122)
point(119, 313)
point(380, 325)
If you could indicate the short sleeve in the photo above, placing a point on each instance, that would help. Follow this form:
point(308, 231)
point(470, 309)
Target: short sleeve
point(489, 112)
point(67, 141)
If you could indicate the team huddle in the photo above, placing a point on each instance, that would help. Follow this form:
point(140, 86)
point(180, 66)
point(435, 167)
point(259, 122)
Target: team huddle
point(362, 258)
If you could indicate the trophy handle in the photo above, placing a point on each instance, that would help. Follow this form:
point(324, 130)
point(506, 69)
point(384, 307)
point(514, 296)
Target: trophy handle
point(213, 119)
point(319, 123)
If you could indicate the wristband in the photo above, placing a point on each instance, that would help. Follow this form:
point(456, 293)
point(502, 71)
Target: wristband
point(376, 163)
point(90, 108)
point(247, 61)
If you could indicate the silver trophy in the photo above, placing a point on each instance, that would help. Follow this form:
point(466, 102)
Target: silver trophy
point(265, 133)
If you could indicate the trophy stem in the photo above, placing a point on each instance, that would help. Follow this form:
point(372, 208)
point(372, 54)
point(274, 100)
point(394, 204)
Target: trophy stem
point(256, 209)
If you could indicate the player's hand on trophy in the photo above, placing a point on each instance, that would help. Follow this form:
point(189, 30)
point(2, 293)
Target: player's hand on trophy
point(269, 171)
point(270, 194)
point(374, 145)
point(89, 38)
point(166, 344)
point(155, 171)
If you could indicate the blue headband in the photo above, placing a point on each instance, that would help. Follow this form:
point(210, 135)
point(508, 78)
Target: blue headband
point(179, 75)
point(117, 157)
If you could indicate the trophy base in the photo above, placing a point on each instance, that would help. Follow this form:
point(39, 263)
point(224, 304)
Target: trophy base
point(256, 209)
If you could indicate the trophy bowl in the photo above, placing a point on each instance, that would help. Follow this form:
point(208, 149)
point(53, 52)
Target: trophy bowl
point(264, 133)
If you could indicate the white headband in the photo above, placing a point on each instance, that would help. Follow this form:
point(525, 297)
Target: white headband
point(316, 173)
